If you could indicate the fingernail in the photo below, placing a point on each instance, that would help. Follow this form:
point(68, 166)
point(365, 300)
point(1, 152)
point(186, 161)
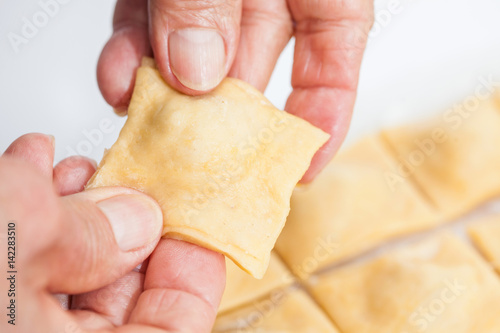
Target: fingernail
point(197, 57)
point(136, 220)
point(52, 139)
point(121, 111)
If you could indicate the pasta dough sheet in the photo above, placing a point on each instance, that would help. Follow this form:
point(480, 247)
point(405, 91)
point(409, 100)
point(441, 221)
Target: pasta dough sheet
point(439, 285)
point(242, 288)
point(486, 236)
point(290, 312)
point(455, 158)
point(222, 165)
point(349, 209)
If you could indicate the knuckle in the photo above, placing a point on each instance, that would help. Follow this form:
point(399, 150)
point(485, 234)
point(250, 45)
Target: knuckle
point(199, 9)
point(266, 12)
point(333, 10)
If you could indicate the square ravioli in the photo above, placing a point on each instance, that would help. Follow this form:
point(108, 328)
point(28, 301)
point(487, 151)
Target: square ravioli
point(486, 236)
point(290, 311)
point(222, 165)
point(454, 159)
point(349, 209)
point(242, 288)
point(438, 285)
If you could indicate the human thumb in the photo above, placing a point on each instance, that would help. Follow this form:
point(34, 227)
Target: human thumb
point(194, 42)
point(106, 233)
point(90, 239)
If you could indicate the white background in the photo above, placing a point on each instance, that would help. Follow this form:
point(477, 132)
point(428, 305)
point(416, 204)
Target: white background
point(419, 61)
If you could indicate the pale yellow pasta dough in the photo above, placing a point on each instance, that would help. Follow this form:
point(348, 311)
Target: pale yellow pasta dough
point(455, 159)
point(242, 288)
point(486, 236)
point(349, 209)
point(439, 285)
point(284, 312)
point(222, 165)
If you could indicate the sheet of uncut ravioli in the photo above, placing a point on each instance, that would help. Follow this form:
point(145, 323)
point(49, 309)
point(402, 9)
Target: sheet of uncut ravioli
point(486, 236)
point(242, 288)
point(440, 285)
point(222, 165)
point(348, 209)
point(290, 312)
point(455, 158)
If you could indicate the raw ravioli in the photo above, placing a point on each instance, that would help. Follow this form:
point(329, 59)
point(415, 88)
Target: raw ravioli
point(349, 209)
point(222, 165)
point(287, 311)
point(439, 285)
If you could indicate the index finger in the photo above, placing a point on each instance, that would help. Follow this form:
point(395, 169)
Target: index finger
point(182, 288)
point(330, 38)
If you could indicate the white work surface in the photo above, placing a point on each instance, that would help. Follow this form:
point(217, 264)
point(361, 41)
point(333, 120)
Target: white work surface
point(421, 58)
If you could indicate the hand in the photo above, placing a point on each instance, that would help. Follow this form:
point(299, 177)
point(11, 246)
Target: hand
point(197, 43)
point(87, 244)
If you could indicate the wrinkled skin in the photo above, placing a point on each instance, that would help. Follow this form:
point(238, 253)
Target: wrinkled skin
point(65, 246)
point(67, 243)
point(330, 38)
